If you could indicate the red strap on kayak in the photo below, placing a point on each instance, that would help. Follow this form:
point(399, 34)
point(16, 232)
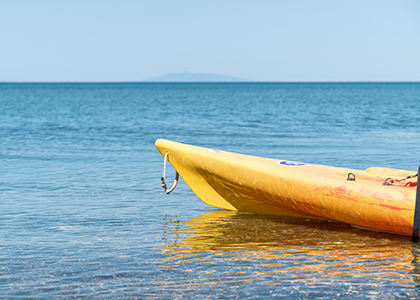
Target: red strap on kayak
point(391, 181)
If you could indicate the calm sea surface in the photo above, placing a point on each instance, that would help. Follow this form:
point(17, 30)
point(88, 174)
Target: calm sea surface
point(83, 214)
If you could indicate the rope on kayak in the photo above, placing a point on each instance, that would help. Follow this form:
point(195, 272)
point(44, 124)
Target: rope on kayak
point(164, 175)
point(391, 181)
point(416, 221)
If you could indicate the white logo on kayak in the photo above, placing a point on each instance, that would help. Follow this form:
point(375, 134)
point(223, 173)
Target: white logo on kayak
point(290, 163)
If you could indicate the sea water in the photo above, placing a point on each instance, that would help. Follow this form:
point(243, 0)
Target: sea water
point(83, 214)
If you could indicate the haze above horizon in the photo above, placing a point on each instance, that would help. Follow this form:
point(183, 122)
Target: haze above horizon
point(303, 41)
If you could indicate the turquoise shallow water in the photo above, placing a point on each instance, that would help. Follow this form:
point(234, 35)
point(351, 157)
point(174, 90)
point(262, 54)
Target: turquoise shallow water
point(83, 213)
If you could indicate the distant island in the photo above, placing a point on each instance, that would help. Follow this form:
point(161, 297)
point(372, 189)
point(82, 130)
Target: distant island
point(193, 77)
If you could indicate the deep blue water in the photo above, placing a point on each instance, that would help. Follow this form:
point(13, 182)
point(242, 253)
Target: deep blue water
point(83, 214)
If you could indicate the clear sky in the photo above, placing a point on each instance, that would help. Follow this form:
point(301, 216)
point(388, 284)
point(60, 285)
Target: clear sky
point(263, 40)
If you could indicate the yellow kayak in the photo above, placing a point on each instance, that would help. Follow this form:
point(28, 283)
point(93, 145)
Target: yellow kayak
point(261, 185)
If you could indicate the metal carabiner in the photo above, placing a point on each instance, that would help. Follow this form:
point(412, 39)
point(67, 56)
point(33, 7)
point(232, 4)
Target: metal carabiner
point(164, 174)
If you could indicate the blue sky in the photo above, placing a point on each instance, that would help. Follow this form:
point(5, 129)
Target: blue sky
point(267, 40)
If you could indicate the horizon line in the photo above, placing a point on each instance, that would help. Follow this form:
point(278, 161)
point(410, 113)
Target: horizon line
point(239, 81)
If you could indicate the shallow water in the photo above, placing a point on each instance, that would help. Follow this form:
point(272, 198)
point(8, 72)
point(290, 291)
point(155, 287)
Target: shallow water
point(83, 213)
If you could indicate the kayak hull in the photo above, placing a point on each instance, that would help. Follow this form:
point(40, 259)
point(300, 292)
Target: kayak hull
point(261, 185)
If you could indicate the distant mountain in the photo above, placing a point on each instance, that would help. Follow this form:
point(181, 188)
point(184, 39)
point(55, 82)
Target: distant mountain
point(193, 77)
